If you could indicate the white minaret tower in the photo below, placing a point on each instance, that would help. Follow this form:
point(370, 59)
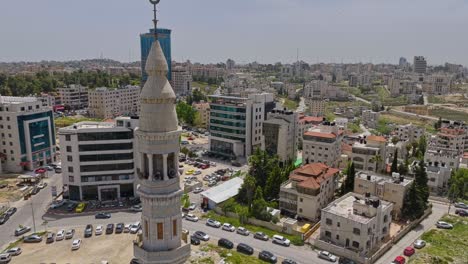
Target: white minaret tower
point(157, 138)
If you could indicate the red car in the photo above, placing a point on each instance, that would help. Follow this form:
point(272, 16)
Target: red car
point(400, 260)
point(190, 138)
point(409, 251)
point(204, 166)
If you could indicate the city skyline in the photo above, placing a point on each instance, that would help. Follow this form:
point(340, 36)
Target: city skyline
point(336, 31)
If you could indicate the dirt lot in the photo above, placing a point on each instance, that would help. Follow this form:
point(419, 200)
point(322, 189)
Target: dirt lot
point(9, 193)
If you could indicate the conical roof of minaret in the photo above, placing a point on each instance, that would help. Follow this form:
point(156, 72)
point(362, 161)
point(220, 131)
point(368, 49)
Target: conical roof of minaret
point(157, 99)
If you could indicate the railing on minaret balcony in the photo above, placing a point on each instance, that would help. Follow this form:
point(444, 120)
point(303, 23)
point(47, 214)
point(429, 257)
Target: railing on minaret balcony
point(158, 167)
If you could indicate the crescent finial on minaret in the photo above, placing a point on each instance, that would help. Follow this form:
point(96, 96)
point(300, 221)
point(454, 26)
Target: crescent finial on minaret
point(155, 20)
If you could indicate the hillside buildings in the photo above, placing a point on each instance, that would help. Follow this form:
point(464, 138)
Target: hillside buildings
point(309, 189)
point(409, 132)
point(75, 96)
point(97, 159)
point(279, 131)
point(27, 134)
point(323, 145)
point(313, 98)
point(109, 103)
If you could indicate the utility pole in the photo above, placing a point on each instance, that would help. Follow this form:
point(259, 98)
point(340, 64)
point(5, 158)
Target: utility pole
point(34, 220)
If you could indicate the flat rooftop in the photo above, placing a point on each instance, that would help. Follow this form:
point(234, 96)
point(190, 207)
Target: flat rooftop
point(90, 125)
point(382, 178)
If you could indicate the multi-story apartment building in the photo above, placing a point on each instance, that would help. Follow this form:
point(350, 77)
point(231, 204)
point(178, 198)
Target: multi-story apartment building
point(109, 103)
point(309, 189)
point(398, 87)
point(355, 223)
point(391, 189)
point(419, 65)
point(409, 132)
point(323, 144)
point(47, 100)
point(236, 124)
point(98, 159)
point(279, 131)
point(453, 138)
point(203, 109)
point(306, 123)
point(314, 99)
point(75, 96)
point(207, 71)
point(370, 118)
point(439, 165)
point(181, 81)
point(27, 134)
point(365, 154)
point(439, 84)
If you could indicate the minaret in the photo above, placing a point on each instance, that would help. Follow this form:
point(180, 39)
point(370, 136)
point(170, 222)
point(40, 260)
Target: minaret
point(157, 139)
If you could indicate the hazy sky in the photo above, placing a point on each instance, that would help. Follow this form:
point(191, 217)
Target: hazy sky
point(245, 30)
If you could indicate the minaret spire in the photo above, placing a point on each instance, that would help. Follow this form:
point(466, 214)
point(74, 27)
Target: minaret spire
point(155, 20)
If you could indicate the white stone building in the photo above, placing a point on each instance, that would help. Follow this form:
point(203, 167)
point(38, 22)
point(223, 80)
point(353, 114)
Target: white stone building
point(203, 109)
point(419, 65)
point(109, 103)
point(27, 134)
point(366, 152)
point(370, 118)
point(309, 189)
point(409, 132)
point(75, 96)
point(323, 145)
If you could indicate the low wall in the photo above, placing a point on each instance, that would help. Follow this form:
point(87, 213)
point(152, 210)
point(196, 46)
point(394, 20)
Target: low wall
point(340, 251)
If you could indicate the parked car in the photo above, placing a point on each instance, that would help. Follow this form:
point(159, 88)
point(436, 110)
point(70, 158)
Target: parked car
point(11, 211)
point(213, 223)
point(50, 238)
point(119, 228)
point(198, 190)
point(419, 244)
point(243, 231)
point(5, 258)
point(42, 185)
point(191, 217)
point(22, 230)
point(60, 235)
point(346, 261)
point(288, 261)
point(461, 205)
point(14, 251)
point(409, 251)
point(211, 183)
point(137, 208)
point(261, 236)
point(228, 227)
point(461, 212)
point(76, 244)
point(58, 169)
point(135, 227)
point(80, 208)
point(57, 204)
point(71, 206)
point(109, 229)
point(225, 243)
point(127, 228)
point(244, 248)
point(102, 215)
point(32, 239)
point(4, 218)
point(267, 256)
point(280, 240)
point(98, 230)
point(69, 234)
point(443, 225)
point(192, 206)
point(399, 260)
point(201, 235)
point(327, 256)
point(88, 230)
point(194, 240)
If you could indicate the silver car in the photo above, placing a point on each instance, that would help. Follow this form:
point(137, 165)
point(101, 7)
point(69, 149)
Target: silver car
point(419, 244)
point(327, 256)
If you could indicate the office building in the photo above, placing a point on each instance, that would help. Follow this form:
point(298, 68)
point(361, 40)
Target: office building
point(146, 40)
point(109, 103)
point(322, 144)
point(181, 81)
point(230, 64)
point(97, 159)
point(75, 96)
point(27, 134)
point(389, 188)
point(309, 189)
point(355, 225)
point(279, 131)
point(419, 65)
point(236, 124)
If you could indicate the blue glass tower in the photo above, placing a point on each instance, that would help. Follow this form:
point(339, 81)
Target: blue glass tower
point(146, 40)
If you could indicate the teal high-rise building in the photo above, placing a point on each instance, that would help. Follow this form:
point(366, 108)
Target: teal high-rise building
point(146, 40)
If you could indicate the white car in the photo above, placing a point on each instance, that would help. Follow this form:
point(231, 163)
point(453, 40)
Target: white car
point(327, 256)
point(135, 227)
point(197, 172)
point(191, 217)
point(280, 240)
point(76, 244)
point(213, 223)
point(60, 235)
point(69, 234)
point(198, 190)
point(42, 185)
point(228, 227)
point(243, 231)
point(127, 228)
point(444, 225)
point(14, 251)
point(213, 164)
point(192, 206)
point(5, 258)
point(419, 244)
point(98, 230)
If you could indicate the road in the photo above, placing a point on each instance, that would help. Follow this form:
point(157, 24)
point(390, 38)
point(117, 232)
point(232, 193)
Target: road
point(438, 210)
point(361, 99)
point(38, 203)
point(302, 107)
point(415, 115)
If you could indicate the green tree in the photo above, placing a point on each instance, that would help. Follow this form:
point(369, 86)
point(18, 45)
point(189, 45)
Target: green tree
point(273, 183)
point(185, 200)
point(260, 164)
point(395, 161)
point(413, 207)
point(377, 159)
point(348, 184)
point(243, 213)
point(395, 140)
point(186, 113)
point(422, 146)
point(185, 151)
point(259, 206)
point(246, 191)
point(402, 169)
point(458, 185)
point(229, 206)
point(421, 179)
